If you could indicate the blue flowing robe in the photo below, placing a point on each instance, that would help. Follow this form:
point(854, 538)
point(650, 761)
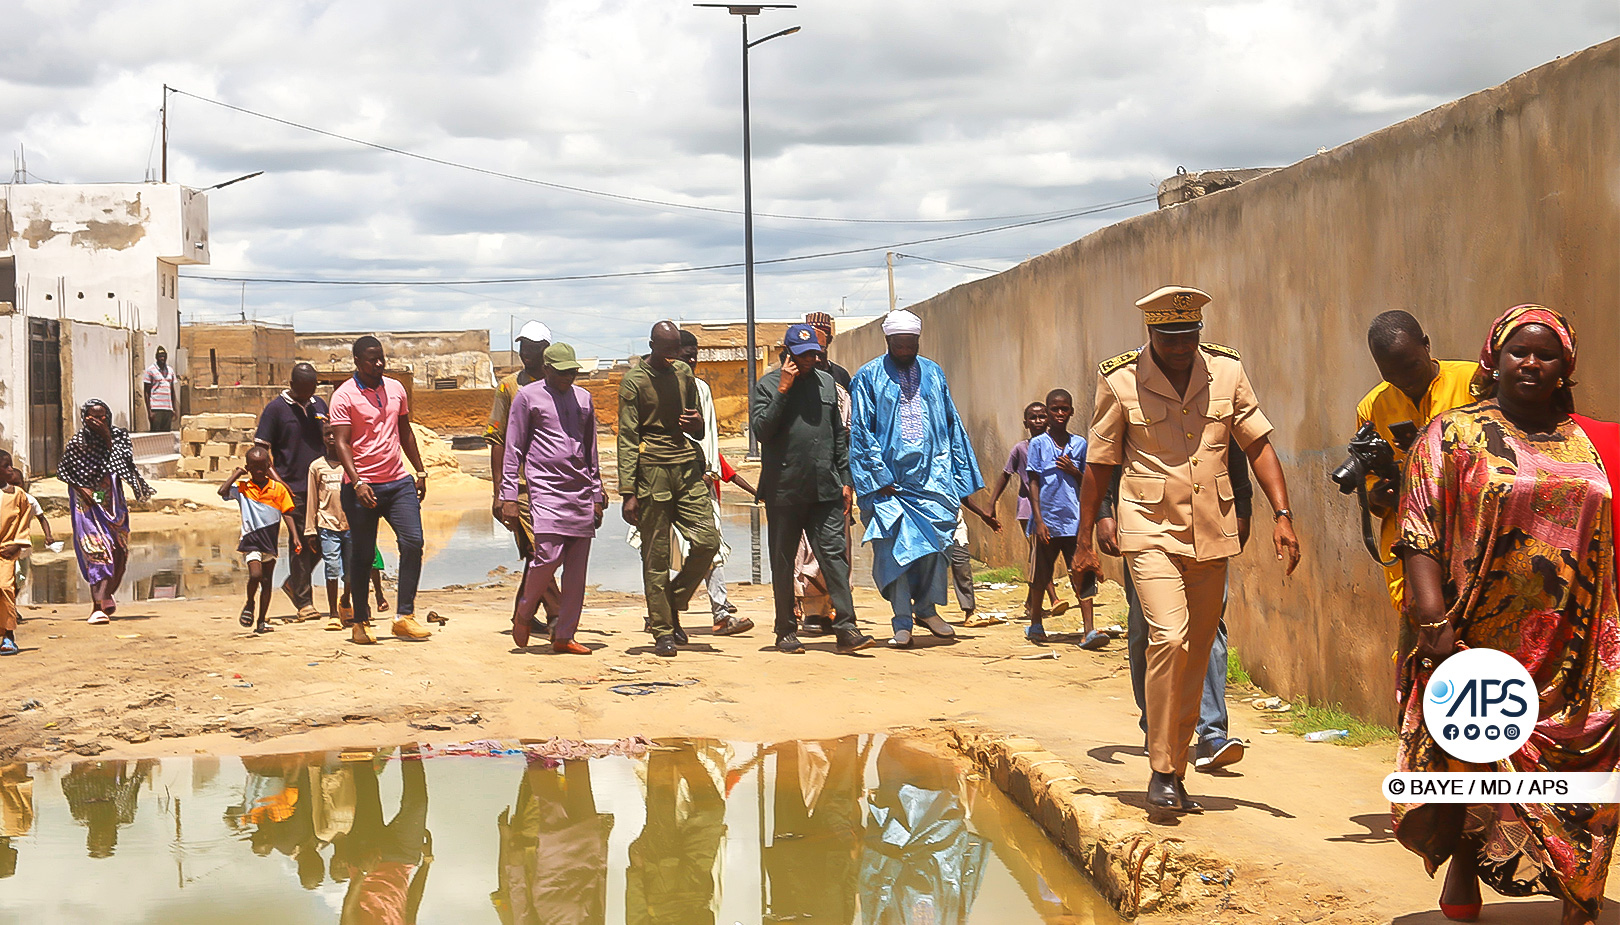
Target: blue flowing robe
point(933, 472)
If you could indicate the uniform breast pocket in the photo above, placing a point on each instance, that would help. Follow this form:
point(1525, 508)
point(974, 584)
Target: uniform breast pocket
point(1140, 497)
point(1141, 429)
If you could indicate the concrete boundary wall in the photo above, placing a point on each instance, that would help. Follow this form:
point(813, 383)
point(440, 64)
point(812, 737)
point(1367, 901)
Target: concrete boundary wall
point(1509, 195)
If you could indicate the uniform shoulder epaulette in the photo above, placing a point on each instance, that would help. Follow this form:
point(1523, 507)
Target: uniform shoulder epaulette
point(1221, 349)
point(1109, 366)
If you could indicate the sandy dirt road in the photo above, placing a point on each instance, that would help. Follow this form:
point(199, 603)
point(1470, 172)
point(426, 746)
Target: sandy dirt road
point(1303, 823)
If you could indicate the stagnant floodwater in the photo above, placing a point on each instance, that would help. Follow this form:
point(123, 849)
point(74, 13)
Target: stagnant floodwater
point(461, 548)
point(858, 829)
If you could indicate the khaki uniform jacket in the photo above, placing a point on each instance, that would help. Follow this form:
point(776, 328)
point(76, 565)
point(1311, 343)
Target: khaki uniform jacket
point(1175, 492)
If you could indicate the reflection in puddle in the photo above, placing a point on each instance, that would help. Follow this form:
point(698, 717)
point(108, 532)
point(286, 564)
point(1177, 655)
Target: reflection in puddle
point(461, 548)
point(836, 831)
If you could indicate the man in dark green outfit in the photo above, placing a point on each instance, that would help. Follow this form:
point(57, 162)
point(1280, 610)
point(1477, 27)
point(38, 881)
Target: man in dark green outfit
point(661, 481)
point(804, 482)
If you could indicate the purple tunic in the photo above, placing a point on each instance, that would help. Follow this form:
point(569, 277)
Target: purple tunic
point(553, 437)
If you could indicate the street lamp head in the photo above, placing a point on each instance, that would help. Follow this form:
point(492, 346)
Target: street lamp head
point(773, 35)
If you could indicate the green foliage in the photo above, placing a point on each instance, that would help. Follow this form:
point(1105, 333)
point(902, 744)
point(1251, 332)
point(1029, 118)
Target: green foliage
point(1308, 717)
point(1007, 573)
point(1236, 675)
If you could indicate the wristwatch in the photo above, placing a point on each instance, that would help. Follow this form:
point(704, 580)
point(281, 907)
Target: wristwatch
point(1280, 514)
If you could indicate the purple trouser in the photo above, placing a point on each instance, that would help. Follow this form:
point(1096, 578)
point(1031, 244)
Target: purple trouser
point(553, 551)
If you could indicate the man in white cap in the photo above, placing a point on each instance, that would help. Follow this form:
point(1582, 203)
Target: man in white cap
point(1168, 415)
point(532, 341)
point(912, 465)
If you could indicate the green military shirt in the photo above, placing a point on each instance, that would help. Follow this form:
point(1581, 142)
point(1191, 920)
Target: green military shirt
point(650, 406)
point(803, 443)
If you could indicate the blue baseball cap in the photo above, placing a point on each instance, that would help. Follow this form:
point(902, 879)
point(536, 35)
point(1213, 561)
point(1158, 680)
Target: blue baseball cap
point(801, 339)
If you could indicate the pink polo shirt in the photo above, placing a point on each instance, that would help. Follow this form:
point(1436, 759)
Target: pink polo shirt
point(373, 419)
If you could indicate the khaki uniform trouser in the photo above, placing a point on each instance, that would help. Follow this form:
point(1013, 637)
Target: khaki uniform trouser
point(1182, 601)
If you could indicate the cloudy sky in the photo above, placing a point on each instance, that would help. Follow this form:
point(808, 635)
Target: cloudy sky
point(920, 119)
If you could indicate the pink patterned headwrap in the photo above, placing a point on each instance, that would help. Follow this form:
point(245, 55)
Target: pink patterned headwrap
point(1517, 317)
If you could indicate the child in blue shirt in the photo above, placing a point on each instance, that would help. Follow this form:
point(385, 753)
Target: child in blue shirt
point(1056, 463)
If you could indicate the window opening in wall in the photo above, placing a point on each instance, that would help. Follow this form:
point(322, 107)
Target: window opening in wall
point(440, 385)
point(213, 364)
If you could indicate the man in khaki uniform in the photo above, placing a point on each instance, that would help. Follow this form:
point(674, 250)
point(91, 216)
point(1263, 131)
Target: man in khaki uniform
point(1167, 414)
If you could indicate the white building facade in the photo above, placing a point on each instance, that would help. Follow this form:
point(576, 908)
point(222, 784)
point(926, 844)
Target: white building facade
point(89, 289)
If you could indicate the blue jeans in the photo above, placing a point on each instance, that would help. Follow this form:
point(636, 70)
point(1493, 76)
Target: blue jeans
point(334, 550)
point(1212, 709)
point(396, 503)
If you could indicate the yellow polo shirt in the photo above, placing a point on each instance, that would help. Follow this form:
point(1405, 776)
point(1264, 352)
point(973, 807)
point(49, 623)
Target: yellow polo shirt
point(1386, 405)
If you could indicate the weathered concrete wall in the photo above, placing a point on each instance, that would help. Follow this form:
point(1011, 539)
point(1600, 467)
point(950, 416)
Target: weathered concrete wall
point(13, 388)
point(238, 354)
point(428, 355)
point(452, 411)
point(1506, 196)
point(96, 363)
point(233, 399)
point(91, 252)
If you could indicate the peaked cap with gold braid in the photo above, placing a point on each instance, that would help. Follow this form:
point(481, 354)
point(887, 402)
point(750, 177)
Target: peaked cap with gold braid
point(1174, 309)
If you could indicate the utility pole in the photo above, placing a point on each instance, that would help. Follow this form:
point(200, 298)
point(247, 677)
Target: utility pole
point(889, 259)
point(165, 119)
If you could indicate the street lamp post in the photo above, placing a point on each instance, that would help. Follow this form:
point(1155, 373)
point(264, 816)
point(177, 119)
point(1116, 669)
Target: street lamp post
point(743, 12)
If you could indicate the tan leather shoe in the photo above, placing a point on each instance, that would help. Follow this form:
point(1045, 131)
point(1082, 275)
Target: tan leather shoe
point(360, 635)
point(408, 628)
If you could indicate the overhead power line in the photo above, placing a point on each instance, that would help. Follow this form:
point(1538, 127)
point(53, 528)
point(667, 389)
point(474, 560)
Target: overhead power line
point(585, 191)
point(668, 271)
point(946, 263)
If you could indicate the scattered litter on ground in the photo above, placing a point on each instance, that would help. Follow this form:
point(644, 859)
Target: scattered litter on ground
point(243, 684)
point(1273, 705)
point(311, 664)
point(1268, 732)
point(433, 617)
point(1327, 735)
point(1048, 654)
point(623, 669)
point(31, 704)
point(984, 619)
point(643, 688)
point(129, 635)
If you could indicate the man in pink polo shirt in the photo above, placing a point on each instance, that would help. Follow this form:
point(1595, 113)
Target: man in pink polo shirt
point(371, 419)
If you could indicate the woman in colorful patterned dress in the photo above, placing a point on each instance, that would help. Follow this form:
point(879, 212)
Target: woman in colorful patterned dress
point(1508, 544)
point(97, 465)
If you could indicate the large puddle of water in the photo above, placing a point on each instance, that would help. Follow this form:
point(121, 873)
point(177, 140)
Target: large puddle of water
point(461, 548)
point(835, 831)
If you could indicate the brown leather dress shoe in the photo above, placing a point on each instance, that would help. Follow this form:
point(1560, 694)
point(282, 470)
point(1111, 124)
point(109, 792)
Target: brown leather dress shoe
point(569, 647)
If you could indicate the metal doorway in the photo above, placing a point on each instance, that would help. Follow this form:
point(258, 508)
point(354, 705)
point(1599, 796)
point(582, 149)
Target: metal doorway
point(44, 396)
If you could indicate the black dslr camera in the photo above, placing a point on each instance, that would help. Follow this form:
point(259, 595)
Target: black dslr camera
point(1371, 454)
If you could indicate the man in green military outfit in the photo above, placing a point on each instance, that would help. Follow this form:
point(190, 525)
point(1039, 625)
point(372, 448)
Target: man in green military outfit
point(805, 483)
point(661, 481)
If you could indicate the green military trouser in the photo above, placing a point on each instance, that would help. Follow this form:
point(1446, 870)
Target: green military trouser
point(674, 496)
